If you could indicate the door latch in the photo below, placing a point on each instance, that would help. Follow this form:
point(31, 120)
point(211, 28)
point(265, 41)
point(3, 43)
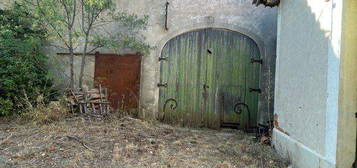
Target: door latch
point(255, 90)
point(259, 61)
point(162, 85)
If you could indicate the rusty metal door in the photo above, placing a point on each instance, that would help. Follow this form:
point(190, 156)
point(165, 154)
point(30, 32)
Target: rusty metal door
point(120, 74)
point(207, 77)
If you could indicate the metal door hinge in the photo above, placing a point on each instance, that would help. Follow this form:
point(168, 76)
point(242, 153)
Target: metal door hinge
point(255, 90)
point(163, 58)
point(162, 85)
point(260, 61)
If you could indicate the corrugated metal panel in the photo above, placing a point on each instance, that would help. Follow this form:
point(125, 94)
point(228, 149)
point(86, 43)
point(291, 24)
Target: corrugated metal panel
point(207, 72)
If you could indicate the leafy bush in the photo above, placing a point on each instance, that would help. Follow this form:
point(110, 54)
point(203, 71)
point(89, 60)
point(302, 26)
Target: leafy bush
point(23, 71)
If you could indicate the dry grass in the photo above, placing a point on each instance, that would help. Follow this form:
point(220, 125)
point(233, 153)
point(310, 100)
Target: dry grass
point(128, 142)
point(44, 113)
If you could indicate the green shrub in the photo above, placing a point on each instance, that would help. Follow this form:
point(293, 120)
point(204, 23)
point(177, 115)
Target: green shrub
point(23, 70)
point(5, 106)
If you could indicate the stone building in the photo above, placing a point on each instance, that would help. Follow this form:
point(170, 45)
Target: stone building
point(315, 93)
point(198, 43)
point(221, 59)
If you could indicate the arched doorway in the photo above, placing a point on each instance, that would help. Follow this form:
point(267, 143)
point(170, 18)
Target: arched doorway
point(210, 77)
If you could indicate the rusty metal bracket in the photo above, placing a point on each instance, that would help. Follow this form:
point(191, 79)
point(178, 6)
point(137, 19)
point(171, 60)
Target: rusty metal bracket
point(163, 58)
point(255, 90)
point(173, 106)
point(260, 61)
point(162, 85)
point(166, 15)
point(238, 107)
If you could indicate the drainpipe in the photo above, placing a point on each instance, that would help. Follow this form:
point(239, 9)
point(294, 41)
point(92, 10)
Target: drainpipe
point(270, 3)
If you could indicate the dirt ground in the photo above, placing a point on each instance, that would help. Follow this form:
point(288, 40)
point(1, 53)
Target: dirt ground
point(129, 143)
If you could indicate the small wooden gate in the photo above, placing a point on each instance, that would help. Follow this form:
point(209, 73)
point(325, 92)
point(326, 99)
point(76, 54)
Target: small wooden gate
point(210, 78)
point(121, 75)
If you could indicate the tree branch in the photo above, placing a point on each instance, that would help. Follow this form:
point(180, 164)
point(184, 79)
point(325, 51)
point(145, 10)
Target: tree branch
point(95, 48)
point(50, 23)
point(74, 12)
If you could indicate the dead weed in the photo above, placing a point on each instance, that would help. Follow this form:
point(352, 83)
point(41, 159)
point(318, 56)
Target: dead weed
point(129, 143)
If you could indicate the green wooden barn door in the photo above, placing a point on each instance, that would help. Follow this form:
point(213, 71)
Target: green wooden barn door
point(206, 77)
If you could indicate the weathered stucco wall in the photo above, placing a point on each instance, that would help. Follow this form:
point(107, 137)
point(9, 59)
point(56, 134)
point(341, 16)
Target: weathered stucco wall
point(4, 4)
point(59, 68)
point(301, 86)
point(307, 81)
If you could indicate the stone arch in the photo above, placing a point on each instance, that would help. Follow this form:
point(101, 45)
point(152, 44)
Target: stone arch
point(179, 31)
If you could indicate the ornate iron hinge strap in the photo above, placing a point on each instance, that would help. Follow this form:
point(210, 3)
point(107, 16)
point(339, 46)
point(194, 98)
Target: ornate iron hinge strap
point(172, 102)
point(238, 107)
point(255, 90)
point(173, 106)
point(163, 58)
point(162, 85)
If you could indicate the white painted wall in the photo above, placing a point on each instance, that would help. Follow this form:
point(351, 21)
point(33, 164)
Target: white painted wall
point(307, 81)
